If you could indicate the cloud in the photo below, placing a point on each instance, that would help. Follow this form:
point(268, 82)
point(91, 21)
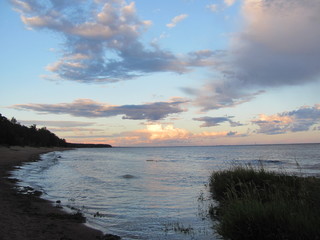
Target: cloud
point(87, 136)
point(176, 20)
point(277, 47)
point(158, 131)
point(166, 134)
point(229, 2)
point(215, 121)
point(88, 131)
point(222, 94)
point(212, 7)
point(91, 109)
point(101, 40)
point(65, 126)
point(294, 121)
point(231, 133)
point(58, 123)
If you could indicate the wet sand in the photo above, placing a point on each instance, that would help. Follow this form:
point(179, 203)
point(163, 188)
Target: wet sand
point(26, 216)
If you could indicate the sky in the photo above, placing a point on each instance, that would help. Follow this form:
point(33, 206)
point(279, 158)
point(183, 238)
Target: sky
point(163, 73)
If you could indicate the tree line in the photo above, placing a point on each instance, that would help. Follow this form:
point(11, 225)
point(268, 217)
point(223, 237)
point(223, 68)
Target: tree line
point(13, 133)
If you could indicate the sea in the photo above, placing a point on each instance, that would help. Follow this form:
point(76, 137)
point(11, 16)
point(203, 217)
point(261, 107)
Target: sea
point(153, 192)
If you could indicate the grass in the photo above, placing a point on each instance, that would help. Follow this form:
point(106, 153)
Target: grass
point(258, 204)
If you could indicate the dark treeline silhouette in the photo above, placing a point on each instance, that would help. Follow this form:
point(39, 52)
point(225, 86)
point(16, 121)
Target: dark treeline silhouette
point(13, 133)
point(87, 145)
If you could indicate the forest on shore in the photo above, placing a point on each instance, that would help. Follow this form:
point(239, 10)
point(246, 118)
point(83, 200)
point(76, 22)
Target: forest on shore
point(12, 133)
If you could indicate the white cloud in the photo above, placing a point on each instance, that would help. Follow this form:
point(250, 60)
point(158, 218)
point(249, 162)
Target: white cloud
point(213, 7)
point(176, 20)
point(229, 2)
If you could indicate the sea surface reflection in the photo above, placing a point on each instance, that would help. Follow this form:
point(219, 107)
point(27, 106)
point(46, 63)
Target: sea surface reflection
point(152, 193)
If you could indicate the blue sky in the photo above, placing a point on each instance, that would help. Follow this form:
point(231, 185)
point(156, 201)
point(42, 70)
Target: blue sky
point(157, 73)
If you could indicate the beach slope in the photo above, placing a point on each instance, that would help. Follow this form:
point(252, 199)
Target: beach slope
point(27, 217)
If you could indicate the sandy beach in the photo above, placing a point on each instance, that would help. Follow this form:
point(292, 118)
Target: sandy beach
point(27, 217)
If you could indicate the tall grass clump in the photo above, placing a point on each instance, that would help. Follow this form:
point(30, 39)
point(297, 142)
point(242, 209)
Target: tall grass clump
point(258, 204)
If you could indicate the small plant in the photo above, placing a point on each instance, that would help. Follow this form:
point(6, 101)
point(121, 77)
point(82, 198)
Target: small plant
point(178, 227)
point(201, 197)
point(298, 167)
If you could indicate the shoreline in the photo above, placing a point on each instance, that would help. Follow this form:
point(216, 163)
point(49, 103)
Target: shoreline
point(27, 216)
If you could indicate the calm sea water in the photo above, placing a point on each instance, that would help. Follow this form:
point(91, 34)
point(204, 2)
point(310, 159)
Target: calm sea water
point(152, 193)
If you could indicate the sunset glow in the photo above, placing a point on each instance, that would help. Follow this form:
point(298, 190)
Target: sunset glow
point(163, 73)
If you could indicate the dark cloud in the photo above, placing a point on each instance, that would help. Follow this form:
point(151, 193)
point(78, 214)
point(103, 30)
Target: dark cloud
point(215, 121)
point(282, 47)
point(212, 121)
point(294, 121)
point(304, 118)
point(231, 133)
point(102, 40)
point(220, 95)
point(91, 109)
point(278, 47)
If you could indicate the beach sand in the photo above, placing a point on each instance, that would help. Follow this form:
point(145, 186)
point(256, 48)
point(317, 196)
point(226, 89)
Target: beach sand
point(24, 216)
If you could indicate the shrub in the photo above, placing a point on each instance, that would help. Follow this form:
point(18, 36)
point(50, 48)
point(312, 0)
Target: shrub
point(257, 204)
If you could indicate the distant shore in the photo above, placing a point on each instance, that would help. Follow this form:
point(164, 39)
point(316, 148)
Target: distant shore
point(27, 216)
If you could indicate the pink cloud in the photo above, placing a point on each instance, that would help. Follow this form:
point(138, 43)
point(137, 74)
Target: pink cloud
point(176, 20)
point(298, 120)
point(167, 135)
